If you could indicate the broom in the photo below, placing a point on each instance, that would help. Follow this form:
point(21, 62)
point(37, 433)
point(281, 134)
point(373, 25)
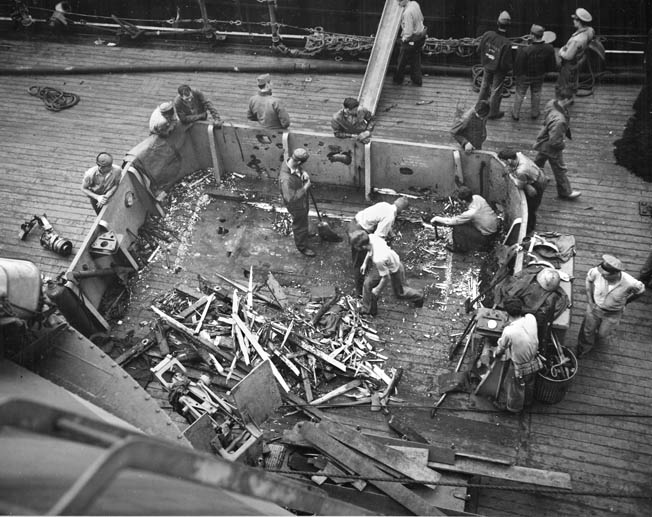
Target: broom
point(325, 232)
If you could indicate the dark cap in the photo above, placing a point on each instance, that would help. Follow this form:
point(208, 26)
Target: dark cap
point(611, 264)
point(537, 31)
point(482, 108)
point(184, 88)
point(513, 306)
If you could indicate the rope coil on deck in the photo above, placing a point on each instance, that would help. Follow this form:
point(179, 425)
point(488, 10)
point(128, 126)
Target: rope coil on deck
point(54, 99)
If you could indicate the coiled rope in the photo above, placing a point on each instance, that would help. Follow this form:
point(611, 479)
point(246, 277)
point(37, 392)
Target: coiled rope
point(54, 99)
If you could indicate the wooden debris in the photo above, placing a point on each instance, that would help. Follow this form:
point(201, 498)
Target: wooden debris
point(140, 347)
point(277, 291)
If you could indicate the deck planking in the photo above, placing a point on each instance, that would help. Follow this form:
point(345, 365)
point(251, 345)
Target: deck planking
point(44, 155)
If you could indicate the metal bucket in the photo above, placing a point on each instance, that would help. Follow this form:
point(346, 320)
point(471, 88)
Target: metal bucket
point(550, 390)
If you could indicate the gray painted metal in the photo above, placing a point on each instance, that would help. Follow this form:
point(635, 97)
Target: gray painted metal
point(372, 84)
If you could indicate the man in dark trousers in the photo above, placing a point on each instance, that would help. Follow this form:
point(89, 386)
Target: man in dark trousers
point(471, 131)
point(473, 229)
point(608, 290)
point(529, 178)
point(550, 142)
point(385, 267)
point(413, 38)
point(519, 344)
point(573, 53)
point(531, 65)
point(377, 219)
point(294, 183)
point(496, 59)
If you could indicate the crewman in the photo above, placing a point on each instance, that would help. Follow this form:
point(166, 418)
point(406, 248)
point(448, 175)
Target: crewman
point(529, 178)
point(473, 229)
point(572, 54)
point(532, 63)
point(496, 58)
point(413, 38)
point(294, 183)
point(608, 290)
point(192, 105)
point(377, 219)
point(551, 142)
point(471, 131)
point(164, 120)
point(101, 181)
point(518, 344)
point(353, 121)
point(385, 267)
point(265, 108)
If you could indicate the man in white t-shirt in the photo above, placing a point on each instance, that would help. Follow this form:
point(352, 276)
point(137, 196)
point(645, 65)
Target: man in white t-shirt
point(377, 219)
point(385, 268)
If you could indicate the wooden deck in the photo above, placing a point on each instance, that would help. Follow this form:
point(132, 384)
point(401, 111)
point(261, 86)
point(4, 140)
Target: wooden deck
point(43, 156)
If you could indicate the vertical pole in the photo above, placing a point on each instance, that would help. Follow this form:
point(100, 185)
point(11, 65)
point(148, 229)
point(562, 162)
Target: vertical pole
point(216, 161)
point(271, 6)
point(367, 171)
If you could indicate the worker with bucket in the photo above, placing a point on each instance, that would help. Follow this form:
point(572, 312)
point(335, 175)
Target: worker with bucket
point(519, 344)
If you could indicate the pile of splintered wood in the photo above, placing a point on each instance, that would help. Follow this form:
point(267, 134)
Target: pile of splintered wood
point(232, 336)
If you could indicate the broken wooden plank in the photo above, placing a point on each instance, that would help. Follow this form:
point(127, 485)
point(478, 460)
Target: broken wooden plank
point(388, 456)
point(188, 332)
point(526, 475)
point(161, 339)
point(244, 289)
point(260, 350)
point(192, 307)
point(301, 341)
point(336, 392)
point(277, 291)
point(364, 467)
point(135, 351)
point(204, 313)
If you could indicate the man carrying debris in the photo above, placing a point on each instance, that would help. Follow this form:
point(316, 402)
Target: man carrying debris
point(473, 229)
point(294, 183)
point(265, 108)
point(377, 219)
point(519, 345)
point(386, 267)
point(101, 181)
point(471, 130)
point(163, 120)
point(608, 290)
point(192, 105)
point(529, 178)
point(353, 121)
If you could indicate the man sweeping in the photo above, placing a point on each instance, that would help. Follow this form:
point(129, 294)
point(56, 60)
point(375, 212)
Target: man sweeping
point(294, 183)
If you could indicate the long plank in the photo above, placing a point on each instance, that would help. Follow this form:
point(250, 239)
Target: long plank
point(527, 475)
point(365, 468)
point(390, 457)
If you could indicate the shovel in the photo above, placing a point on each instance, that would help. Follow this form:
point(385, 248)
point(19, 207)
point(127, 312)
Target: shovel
point(325, 232)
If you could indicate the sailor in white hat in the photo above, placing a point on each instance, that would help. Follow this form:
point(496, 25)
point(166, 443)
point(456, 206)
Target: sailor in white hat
point(572, 55)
